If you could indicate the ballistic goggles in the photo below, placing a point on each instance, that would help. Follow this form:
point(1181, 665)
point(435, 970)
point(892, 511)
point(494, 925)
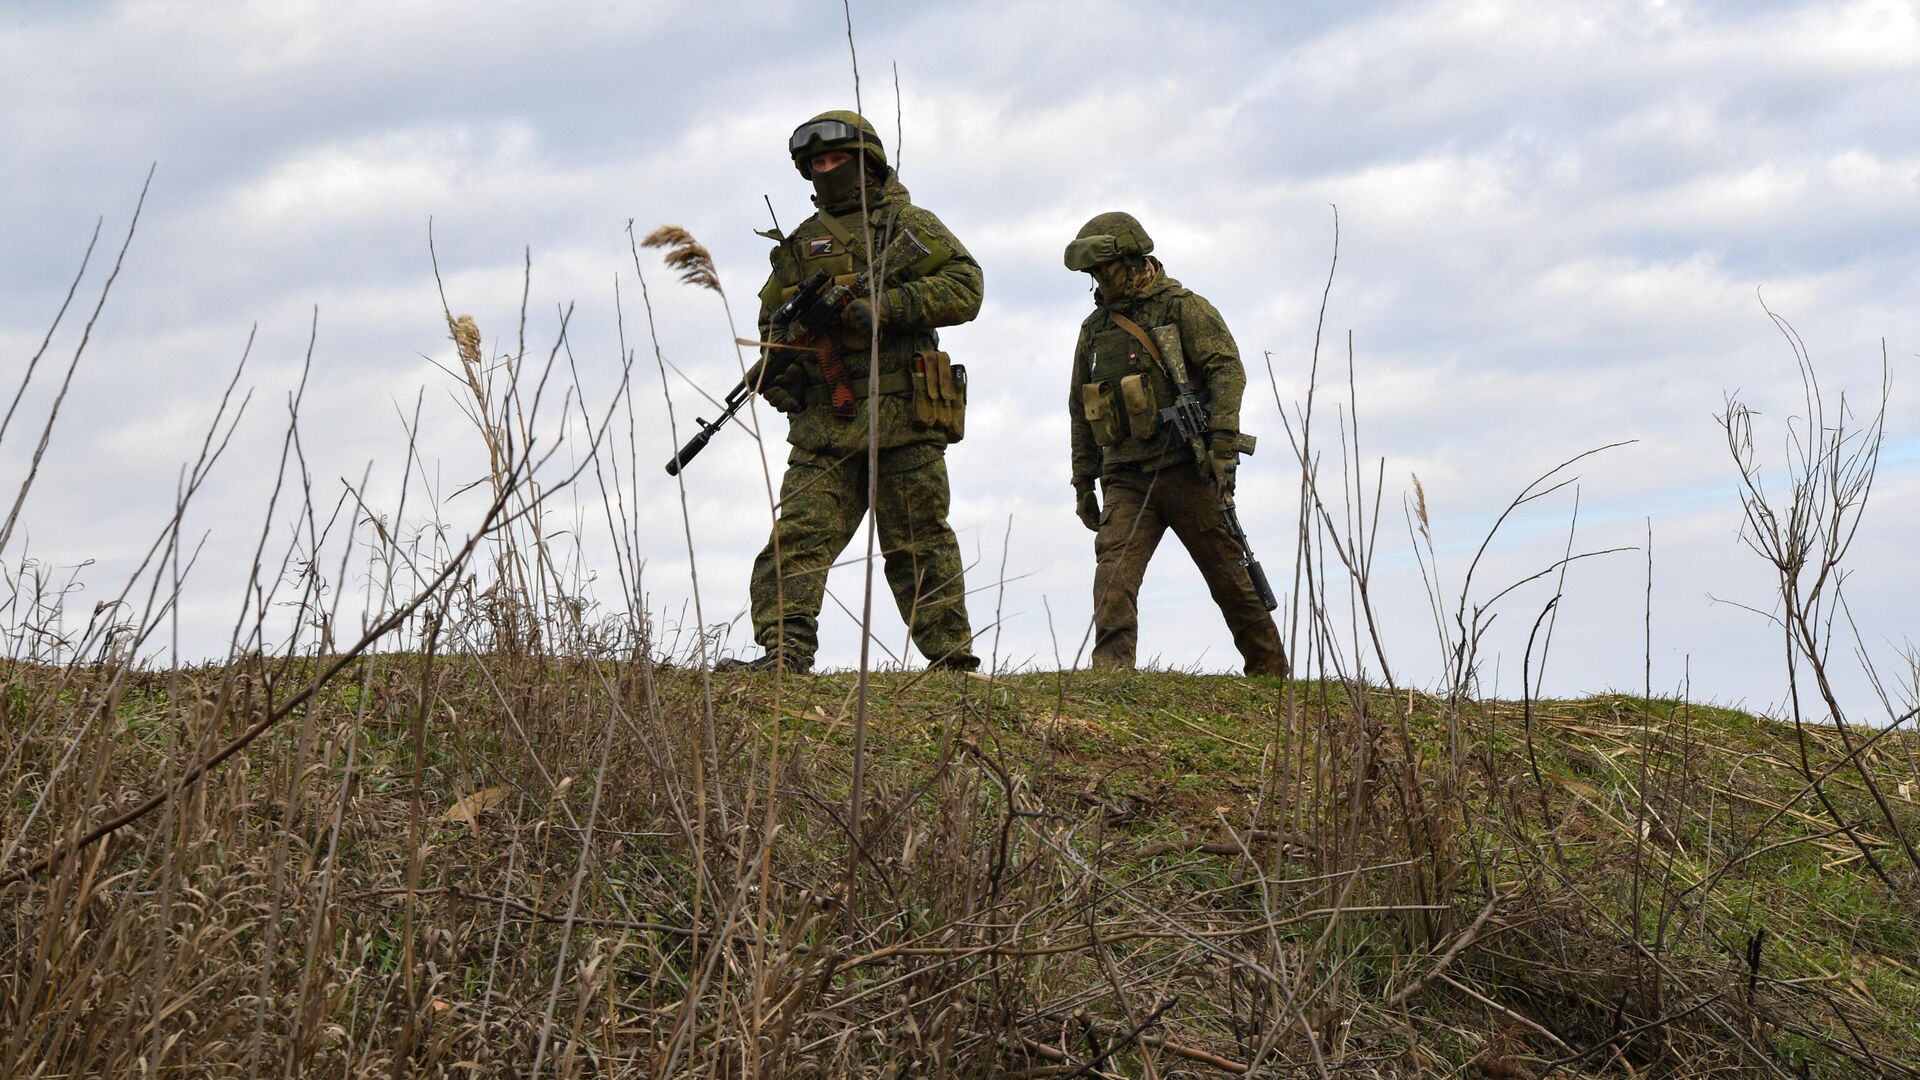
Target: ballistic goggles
point(830, 133)
point(1087, 252)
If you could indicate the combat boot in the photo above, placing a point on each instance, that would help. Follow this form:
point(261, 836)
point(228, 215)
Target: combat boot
point(1268, 662)
point(766, 662)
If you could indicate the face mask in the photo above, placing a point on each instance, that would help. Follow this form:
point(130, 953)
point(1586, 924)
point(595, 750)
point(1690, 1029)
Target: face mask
point(1114, 279)
point(840, 187)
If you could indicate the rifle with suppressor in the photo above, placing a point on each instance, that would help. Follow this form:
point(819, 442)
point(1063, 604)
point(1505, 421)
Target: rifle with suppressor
point(803, 321)
point(1189, 420)
point(1191, 425)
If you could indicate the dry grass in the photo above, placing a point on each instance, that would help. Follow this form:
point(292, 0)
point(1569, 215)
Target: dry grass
point(1030, 892)
point(502, 831)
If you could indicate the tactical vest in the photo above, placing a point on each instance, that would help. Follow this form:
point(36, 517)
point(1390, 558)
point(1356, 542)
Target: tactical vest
point(838, 246)
point(926, 391)
point(831, 249)
point(1122, 399)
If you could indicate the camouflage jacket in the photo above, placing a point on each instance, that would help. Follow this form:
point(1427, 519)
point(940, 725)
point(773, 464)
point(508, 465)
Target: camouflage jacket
point(1107, 354)
point(916, 299)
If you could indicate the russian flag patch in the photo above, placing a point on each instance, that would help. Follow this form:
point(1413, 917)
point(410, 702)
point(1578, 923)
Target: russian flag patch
point(819, 245)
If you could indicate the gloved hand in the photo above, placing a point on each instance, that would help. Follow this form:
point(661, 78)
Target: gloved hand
point(782, 393)
point(780, 397)
point(1087, 505)
point(858, 316)
point(855, 313)
point(1226, 460)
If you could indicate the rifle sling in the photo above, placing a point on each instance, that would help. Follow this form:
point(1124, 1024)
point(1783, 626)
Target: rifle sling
point(1153, 350)
point(1140, 336)
point(845, 236)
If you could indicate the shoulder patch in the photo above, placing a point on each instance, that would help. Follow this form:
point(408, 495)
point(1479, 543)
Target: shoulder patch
point(819, 246)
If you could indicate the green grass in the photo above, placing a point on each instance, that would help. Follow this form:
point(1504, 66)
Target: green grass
point(1127, 777)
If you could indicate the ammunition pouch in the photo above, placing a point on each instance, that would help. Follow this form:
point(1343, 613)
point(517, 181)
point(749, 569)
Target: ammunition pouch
point(940, 394)
point(1100, 403)
point(1143, 411)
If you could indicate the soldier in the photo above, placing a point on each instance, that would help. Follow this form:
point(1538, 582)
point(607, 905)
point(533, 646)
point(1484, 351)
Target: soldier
point(1148, 477)
point(927, 280)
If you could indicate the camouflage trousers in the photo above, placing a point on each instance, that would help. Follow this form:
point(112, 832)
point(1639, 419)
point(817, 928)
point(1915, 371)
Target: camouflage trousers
point(1137, 509)
point(823, 499)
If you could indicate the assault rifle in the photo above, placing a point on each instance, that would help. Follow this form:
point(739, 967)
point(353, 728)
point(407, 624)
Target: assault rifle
point(1187, 416)
point(803, 322)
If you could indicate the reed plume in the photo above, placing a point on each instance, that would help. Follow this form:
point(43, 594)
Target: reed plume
point(466, 338)
point(686, 255)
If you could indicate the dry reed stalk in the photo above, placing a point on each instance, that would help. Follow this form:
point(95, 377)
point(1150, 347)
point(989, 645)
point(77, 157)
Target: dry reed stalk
point(1018, 901)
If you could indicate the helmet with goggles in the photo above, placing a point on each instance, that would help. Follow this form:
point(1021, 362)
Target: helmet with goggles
point(838, 129)
point(1109, 236)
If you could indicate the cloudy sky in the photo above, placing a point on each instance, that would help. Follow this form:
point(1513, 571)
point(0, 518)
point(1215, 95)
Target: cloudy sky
point(1558, 223)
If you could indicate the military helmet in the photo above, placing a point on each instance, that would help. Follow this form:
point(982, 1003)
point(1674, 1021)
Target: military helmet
point(1112, 235)
point(836, 129)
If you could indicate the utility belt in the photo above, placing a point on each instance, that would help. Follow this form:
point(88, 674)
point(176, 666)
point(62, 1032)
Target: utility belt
point(936, 385)
point(819, 394)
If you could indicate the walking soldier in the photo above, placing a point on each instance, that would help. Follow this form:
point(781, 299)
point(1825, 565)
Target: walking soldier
point(1157, 382)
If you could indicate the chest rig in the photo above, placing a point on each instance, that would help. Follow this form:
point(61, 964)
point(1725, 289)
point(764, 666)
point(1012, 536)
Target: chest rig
point(841, 255)
point(834, 248)
point(1125, 391)
point(837, 247)
point(936, 387)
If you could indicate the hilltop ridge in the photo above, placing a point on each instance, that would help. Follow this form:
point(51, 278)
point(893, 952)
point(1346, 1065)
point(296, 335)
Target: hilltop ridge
point(1136, 873)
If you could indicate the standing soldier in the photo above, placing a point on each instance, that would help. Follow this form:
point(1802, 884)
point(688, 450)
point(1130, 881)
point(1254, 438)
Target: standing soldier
point(926, 280)
point(1123, 377)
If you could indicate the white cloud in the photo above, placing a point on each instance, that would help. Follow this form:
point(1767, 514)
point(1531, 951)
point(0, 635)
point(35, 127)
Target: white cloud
point(1554, 223)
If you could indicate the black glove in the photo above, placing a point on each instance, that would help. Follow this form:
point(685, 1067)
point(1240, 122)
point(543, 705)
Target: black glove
point(1087, 505)
point(780, 398)
point(780, 392)
point(858, 317)
point(855, 313)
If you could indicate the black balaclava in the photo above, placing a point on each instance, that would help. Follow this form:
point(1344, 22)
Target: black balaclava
point(839, 189)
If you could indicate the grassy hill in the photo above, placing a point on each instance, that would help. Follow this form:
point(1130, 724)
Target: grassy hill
point(450, 866)
point(512, 860)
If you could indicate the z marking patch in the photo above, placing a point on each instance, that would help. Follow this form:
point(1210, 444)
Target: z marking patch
point(819, 245)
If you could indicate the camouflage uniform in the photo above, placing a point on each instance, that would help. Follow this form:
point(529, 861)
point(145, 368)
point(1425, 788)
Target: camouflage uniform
point(823, 495)
point(1148, 478)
